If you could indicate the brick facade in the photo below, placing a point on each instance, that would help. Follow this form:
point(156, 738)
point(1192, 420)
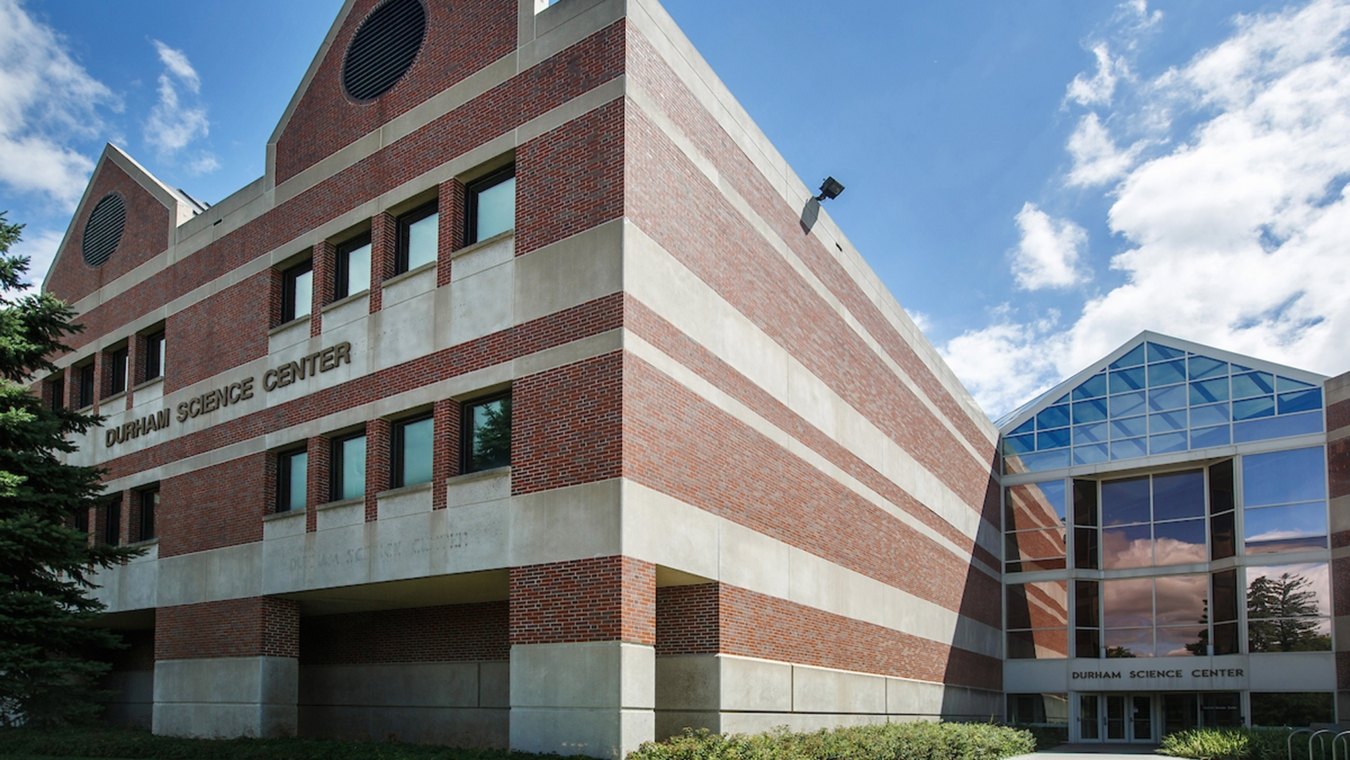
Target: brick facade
point(254, 627)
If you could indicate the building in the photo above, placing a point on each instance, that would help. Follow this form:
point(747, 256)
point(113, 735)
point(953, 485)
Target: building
point(1175, 523)
point(526, 400)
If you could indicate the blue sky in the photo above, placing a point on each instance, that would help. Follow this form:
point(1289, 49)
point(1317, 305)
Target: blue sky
point(1035, 182)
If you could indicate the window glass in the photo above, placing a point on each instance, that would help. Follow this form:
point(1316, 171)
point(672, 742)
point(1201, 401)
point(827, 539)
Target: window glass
point(154, 355)
point(349, 468)
point(1283, 477)
point(112, 525)
point(1125, 501)
point(487, 433)
point(1038, 709)
point(85, 385)
point(1127, 603)
point(297, 285)
point(148, 505)
point(492, 205)
point(56, 389)
point(1162, 617)
point(1128, 546)
point(292, 477)
point(1289, 608)
point(353, 267)
point(1285, 529)
point(117, 370)
point(1034, 506)
point(413, 457)
point(1038, 619)
point(1298, 709)
point(1180, 542)
point(1178, 495)
point(418, 236)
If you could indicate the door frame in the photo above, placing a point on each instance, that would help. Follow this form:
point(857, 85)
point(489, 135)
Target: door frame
point(1128, 698)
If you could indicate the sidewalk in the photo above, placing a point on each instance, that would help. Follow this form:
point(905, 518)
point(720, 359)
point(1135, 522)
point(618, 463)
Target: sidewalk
point(1093, 752)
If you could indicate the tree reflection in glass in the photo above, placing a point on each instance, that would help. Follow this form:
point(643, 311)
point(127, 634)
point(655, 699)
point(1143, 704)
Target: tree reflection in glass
point(1288, 608)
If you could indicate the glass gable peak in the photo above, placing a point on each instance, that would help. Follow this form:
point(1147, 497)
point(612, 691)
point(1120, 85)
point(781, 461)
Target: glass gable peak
point(1159, 399)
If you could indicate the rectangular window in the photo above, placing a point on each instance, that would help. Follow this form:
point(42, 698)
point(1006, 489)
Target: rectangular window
point(417, 238)
point(292, 471)
point(491, 205)
point(81, 520)
point(411, 457)
point(112, 526)
point(349, 467)
point(56, 393)
point(352, 267)
point(117, 370)
point(486, 441)
point(147, 503)
point(154, 355)
point(297, 287)
point(84, 378)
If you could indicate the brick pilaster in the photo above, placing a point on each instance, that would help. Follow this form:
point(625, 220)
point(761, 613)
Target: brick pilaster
point(378, 434)
point(597, 599)
point(450, 232)
point(135, 372)
point(383, 238)
point(324, 263)
point(445, 448)
point(318, 479)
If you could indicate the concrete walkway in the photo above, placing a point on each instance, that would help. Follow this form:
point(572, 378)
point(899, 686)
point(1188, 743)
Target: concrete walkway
point(1094, 752)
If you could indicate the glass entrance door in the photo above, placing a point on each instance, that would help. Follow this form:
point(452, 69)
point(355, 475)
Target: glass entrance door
point(1123, 718)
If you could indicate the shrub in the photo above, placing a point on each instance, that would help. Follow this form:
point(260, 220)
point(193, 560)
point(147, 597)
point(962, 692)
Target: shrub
point(883, 741)
point(133, 744)
point(1228, 744)
point(1046, 736)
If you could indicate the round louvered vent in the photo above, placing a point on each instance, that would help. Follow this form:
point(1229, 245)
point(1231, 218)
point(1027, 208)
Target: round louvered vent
point(383, 48)
point(103, 230)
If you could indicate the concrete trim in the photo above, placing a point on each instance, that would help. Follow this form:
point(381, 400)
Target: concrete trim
point(661, 283)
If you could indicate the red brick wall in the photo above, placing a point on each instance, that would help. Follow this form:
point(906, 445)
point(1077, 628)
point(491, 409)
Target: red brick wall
point(687, 619)
point(680, 444)
point(213, 507)
point(1337, 399)
point(257, 626)
point(146, 234)
point(460, 38)
point(565, 425)
point(755, 625)
point(572, 72)
point(599, 599)
point(570, 179)
point(449, 633)
point(215, 335)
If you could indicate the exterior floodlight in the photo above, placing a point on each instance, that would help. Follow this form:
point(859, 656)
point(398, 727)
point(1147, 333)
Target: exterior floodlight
point(830, 188)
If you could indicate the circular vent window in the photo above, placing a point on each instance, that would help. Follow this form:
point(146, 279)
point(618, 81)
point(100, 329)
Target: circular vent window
point(103, 230)
point(383, 48)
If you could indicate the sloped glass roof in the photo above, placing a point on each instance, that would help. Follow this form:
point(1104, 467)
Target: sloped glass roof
point(1160, 399)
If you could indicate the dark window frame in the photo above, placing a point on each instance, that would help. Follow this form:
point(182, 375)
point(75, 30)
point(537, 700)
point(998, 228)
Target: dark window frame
point(153, 361)
point(342, 264)
point(56, 392)
point(288, 302)
point(471, 192)
point(86, 385)
point(147, 501)
point(335, 463)
point(118, 382)
point(285, 461)
point(466, 463)
point(112, 522)
point(80, 521)
point(397, 449)
point(405, 221)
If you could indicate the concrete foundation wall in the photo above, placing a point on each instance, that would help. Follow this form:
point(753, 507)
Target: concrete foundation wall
point(133, 699)
point(736, 694)
point(465, 704)
point(226, 696)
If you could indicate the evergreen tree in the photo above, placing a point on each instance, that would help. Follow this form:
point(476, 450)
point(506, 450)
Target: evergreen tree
point(45, 564)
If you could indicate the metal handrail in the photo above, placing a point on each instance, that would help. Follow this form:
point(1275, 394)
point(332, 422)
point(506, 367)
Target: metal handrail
point(1342, 735)
point(1289, 743)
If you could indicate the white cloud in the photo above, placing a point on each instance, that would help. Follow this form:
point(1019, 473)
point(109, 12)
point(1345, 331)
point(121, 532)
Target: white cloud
point(1236, 233)
point(1049, 252)
point(1007, 363)
point(46, 100)
point(172, 124)
point(1099, 88)
point(203, 164)
point(1096, 159)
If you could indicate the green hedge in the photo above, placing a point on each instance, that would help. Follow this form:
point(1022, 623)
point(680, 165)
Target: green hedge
point(1232, 744)
point(137, 745)
point(886, 741)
